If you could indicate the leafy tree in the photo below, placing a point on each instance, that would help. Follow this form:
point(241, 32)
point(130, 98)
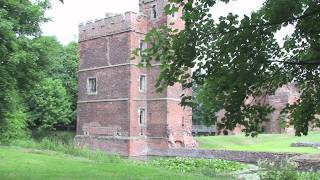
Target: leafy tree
point(62, 64)
point(70, 78)
point(50, 105)
point(19, 22)
point(236, 58)
point(198, 111)
point(27, 58)
point(19, 19)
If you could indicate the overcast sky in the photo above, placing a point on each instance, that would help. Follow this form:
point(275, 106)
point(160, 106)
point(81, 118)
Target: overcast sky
point(67, 16)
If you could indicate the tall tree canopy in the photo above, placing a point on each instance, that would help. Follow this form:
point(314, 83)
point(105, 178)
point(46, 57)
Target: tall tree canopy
point(19, 21)
point(237, 58)
point(33, 68)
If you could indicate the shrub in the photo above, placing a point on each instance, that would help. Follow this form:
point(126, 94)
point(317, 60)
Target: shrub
point(61, 136)
point(69, 148)
point(208, 167)
point(49, 105)
point(13, 125)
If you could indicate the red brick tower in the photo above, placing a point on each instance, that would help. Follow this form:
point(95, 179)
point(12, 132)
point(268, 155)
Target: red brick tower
point(119, 109)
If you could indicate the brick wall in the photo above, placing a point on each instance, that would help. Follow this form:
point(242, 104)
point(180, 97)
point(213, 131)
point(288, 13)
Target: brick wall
point(109, 119)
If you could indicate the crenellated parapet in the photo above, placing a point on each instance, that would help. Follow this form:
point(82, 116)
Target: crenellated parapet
point(113, 24)
point(145, 1)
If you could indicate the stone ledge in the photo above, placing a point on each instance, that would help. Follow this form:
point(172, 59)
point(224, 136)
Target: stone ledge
point(308, 162)
point(306, 144)
point(240, 156)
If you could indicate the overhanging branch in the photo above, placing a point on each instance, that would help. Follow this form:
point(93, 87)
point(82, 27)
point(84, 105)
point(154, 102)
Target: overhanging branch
point(301, 63)
point(306, 15)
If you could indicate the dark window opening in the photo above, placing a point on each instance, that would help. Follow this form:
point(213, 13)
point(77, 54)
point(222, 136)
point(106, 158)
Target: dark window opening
point(182, 121)
point(143, 46)
point(154, 11)
point(92, 85)
point(142, 116)
point(143, 83)
point(225, 132)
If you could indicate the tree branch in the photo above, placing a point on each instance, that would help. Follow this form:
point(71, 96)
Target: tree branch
point(312, 13)
point(307, 62)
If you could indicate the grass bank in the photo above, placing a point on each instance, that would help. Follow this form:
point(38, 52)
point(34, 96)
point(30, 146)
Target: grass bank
point(262, 143)
point(57, 158)
point(20, 163)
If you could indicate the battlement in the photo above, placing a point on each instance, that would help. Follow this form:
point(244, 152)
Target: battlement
point(111, 24)
point(145, 1)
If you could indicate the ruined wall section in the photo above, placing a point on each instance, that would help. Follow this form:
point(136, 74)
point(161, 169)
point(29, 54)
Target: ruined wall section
point(287, 94)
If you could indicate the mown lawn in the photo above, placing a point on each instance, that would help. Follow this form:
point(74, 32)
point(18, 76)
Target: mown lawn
point(19, 163)
point(262, 143)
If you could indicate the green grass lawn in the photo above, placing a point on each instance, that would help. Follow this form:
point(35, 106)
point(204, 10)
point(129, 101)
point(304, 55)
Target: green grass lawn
point(19, 163)
point(262, 143)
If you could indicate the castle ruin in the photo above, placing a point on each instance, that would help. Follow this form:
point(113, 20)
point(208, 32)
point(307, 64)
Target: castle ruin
point(119, 109)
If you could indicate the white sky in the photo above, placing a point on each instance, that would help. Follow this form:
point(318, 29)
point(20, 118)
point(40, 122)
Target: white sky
point(67, 16)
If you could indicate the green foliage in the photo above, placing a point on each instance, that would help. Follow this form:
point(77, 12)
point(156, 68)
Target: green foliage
point(61, 136)
point(61, 63)
point(284, 171)
point(17, 20)
point(68, 73)
point(199, 111)
point(236, 59)
point(215, 166)
point(28, 62)
point(14, 123)
point(55, 144)
point(49, 105)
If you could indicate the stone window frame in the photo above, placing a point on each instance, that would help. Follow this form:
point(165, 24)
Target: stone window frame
point(154, 12)
point(144, 121)
point(145, 84)
point(142, 46)
point(89, 92)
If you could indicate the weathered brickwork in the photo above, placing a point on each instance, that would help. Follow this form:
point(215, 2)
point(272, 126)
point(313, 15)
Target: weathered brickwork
point(110, 101)
point(286, 95)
